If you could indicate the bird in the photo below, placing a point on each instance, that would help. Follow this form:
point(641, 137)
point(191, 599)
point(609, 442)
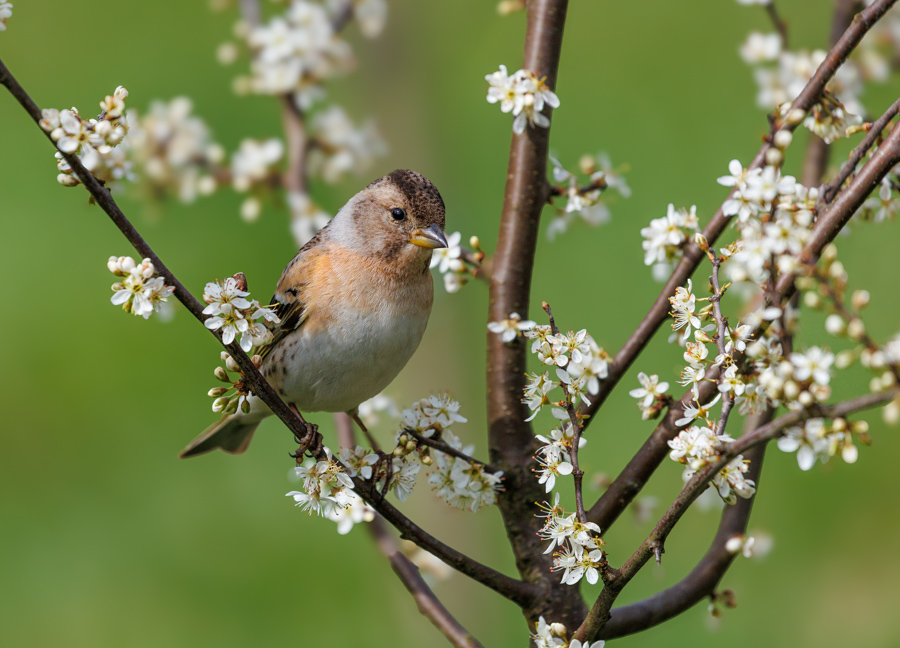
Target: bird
point(353, 305)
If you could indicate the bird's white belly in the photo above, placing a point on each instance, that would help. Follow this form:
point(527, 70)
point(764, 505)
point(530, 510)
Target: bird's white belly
point(335, 368)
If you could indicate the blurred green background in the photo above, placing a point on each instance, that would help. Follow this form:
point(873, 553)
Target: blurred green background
point(108, 540)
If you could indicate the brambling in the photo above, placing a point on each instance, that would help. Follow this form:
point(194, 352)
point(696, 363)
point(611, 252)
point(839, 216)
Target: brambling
point(353, 305)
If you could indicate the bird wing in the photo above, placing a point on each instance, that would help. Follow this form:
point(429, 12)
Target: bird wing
point(288, 301)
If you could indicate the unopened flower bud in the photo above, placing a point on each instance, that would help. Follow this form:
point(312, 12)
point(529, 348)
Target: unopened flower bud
point(219, 404)
point(875, 385)
point(474, 242)
point(860, 299)
point(834, 324)
point(829, 254)
point(215, 392)
point(256, 360)
point(245, 406)
point(427, 460)
point(232, 365)
point(877, 360)
point(836, 270)
point(558, 629)
point(701, 241)
point(812, 300)
point(795, 117)
point(224, 355)
point(399, 452)
point(734, 544)
point(791, 390)
point(411, 445)
point(860, 427)
point(786, 369)
point(887, 380)
point(839, 424)
point(805, 398)
point(403, 440)
point(67, 180)
point(891, 412)
point(221, 374)
point(506, 7)
point(774, 157)
point(251, 209)
point(820, 392)
point(856, 329)
point(783, 138)
point(843, 359)
point(232, 406)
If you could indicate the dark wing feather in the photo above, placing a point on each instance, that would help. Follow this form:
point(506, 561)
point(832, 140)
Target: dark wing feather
point(287, 302)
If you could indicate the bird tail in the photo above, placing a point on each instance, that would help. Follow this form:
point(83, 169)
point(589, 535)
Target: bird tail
point(232, 434)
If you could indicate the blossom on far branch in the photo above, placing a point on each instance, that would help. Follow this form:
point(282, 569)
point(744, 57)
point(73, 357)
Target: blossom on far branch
point(96, 142)
point(665, 238)
point(583, 198)
point(142, 291)
point(253, 168)
point(818, 440)
point(174, 151)
point(699, 446)
point(524, 95)
point(651, 395)
point(339, 147)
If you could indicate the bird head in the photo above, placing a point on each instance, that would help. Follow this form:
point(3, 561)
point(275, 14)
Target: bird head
point(399, 217)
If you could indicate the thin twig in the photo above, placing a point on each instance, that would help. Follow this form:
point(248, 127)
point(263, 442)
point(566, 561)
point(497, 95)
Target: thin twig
point(505, 585)
point(448, 449)
point(721, 335)
point(779, 24)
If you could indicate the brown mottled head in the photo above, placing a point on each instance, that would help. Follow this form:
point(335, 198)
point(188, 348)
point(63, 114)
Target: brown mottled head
point(399, 217)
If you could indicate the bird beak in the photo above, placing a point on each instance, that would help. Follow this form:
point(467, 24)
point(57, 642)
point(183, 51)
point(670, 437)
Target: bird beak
point(431, 237)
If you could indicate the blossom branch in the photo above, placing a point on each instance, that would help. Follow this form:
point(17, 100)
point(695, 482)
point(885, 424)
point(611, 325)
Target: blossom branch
point(447, 449)
point(692, 254)
point(875, 131)
point(505, 585)
point(600, 612)
point(577, 473)
point(510, 438)
point(778, 23)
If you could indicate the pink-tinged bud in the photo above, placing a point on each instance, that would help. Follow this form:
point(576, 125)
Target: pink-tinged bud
point(783, 139)
point(860, 299)
point(256, 360)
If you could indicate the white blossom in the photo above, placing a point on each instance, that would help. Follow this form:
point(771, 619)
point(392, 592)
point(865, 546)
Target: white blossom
point(142, 291)
point(511, 327)
point(523, 94)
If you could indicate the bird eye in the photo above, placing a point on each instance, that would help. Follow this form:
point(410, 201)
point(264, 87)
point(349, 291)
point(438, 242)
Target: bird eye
point(398, 214)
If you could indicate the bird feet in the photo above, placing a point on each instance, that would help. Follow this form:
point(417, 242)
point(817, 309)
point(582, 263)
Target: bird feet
point(310, 442)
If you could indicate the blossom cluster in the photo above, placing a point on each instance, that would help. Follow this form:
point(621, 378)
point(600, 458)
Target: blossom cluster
point(459, 482)
point(142, 291)
point(230, 311)
point(457, 265)
point(699, 446)
point(579, 547)
point(665, 238)
point(523, 94)
point(584, 200)
point(253, 166)
point(294, 52)
point(174, 150)
point(327, 488)
point(340, 147)
point(818, 440)
point(553, 635)
point(95, 141)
